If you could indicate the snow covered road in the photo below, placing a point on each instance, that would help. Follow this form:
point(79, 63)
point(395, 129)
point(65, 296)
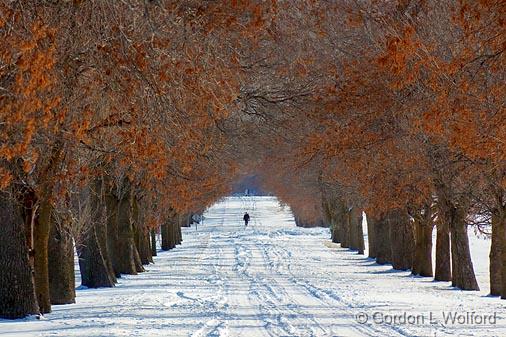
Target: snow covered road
point(269, 279)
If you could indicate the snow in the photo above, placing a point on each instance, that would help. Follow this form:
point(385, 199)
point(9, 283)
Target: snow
point(270, 279)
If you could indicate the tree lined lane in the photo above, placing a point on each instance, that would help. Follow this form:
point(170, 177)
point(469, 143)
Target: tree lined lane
point(269, 279)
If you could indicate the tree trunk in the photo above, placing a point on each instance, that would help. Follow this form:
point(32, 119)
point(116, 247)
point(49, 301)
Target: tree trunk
point(94, 260)
point(144, 247)
point(137, 230)
point(330, 216)
point(338, 220)
point(17, 290)
point(503, 253)
point(40, 244)
point(92, 264)
point(179, 235)
point(352, 223)
point(126, 245)
point(172, 236)
point(166, 231)
point(422, 260)
point(371, 238)
point(61, 265)
point(443, 267)
point(357, 241)
point(401, 240)
point(101, 232)
point(344, 223)
point(153, 242)
point(462, 266)
point(382, 236)
point(137, 259)
point(496, 255)
point(112, 205)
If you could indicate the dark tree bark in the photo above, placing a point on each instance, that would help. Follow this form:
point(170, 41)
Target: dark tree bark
point(352, 222)
point(383, 244)
point(463, 272)
point(61, 265)
point(94, 271)
point(144, 246)
point(141, 256)
point(503, 255)
point(179, 235)
point(126, 251)
point(343, 219)
point(172, 236)
point(112, 205)
point(401, 240)
point(29, 214)
point(443, 267)
point(17, 290)
point(153, 242)
point(422, 259)
point(174, 231)
point(40, 246)
point(454, 214)
point(334, 231)
point(166, 231)
point(94, 261)
point(496, 254)
point(42, 227)
point(371, 236)
point(330, 219)
point(357, 233)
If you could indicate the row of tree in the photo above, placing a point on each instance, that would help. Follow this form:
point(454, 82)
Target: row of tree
point(118, 117)
point(396, 109)
point(110, 129)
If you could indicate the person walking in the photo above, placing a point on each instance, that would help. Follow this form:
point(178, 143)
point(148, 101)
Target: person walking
point(246, 218)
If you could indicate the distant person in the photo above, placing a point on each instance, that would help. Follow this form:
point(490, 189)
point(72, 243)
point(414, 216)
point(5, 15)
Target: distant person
point(246, 218)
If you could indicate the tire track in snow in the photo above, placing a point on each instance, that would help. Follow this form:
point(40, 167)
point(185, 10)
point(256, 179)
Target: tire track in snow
point(217, 326)
point(327, 297)
point(289, 318)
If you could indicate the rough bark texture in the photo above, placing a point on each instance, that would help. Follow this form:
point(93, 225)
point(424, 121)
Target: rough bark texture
point(422, 259)
point(137, 230)
point(126, 252)
point(102, 228)
point(137, 260)
point(454, 214)
point(382, 236)
point(330, 218)
point(179, 235)
point(496, 255)
point(94, 271)
point(112, 205)
point(503, 256)
point(144, 246)
point(401, 240)
point(462, 266)
point(153, 242)
point(443, 267)
point(357, 233)
point(166, 232)
point(29, 214)
point(371, 238)
point(343, 219)
point(17, 291)
point(352, 222)
point(94, 261)
point(40, 244)
point(61, 266)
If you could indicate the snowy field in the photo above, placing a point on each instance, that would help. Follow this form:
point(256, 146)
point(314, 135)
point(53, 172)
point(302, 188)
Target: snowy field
point(271, 279)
